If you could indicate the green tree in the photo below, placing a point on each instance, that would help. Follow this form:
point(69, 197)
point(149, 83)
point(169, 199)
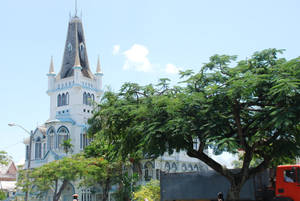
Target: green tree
point(2, 195)
point(56, 175)
point(151, 191)
point(251, 105)
point(107, 168)
point(3, 158)
point(67, 146)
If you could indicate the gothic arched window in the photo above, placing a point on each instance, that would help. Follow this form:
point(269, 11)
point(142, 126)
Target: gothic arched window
point(58, 100)
point(190, 168)
point(93, 97)
point(83, 140)
point(174, 167)
point(84, 98)
point(167, 166)
point(51, 139)
point(89, 102)
point(38, 148)
point(67, 98)
point(148, 170)
point(183, 168)
point(63, 99)
point(63, 135)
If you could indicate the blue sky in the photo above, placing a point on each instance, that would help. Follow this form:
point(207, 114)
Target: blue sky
point(137, 40)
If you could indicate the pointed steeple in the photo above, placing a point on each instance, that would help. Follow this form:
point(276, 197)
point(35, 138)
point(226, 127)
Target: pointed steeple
point(51, 68)
point(75, 53)
point(98, 70)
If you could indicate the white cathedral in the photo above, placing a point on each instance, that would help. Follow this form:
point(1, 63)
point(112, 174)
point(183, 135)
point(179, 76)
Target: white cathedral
point(72, 93)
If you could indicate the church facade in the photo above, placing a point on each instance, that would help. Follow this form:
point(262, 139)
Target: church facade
point(73, 91)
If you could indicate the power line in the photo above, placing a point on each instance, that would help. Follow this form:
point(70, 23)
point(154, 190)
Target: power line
point(9, 146)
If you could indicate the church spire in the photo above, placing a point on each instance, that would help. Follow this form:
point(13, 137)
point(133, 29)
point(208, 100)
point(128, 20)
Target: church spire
point(75, 53)
point(98, 70)
point(51, 68)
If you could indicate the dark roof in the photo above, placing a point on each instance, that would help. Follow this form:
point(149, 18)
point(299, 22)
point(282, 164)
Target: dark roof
point(75, 27)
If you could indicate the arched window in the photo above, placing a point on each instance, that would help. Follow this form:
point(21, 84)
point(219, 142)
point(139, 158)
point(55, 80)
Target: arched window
point(83, 140)
point(183, 167)
point(196, 168)
point(38, 148)
point(174, 167)
point(63, 135)
point(58, 100)
point(84, 98)
point(148, 170)
point(63, 99)
point(93, 98)
point(190, 168)
point(67, 98)
point(89, 99)
point(51, 139)
point(167, 166)
point(44, 149)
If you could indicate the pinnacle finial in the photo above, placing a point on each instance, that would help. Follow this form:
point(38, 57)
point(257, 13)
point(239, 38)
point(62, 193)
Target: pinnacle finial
point(98, 70)
point(77, 60)
point(51, 68)
point(75, 8)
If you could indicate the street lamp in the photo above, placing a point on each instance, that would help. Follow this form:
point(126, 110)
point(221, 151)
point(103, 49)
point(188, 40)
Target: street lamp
point(30, 145)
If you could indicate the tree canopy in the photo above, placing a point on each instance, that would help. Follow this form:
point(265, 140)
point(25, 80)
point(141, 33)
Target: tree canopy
point(3, 158)
point(52, 177)
point(251, 105)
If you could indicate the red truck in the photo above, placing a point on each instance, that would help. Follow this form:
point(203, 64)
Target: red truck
point(287, 184)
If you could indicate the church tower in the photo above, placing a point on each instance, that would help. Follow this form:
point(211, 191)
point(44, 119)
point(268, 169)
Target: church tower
point(74, 90)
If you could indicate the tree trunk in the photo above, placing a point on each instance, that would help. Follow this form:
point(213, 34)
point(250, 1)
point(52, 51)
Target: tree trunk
point(106, 189)
point(58, 194)
point(234, 191)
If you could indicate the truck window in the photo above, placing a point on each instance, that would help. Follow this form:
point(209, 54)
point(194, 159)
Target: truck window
point(289, 176)
point(298, 175)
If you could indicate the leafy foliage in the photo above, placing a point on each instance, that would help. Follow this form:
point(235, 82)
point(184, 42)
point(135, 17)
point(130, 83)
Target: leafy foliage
point(107, 168)
point(55, 176)
point(251, 105)
point(2, 195)
point(67, 146)
point(151, 191)
point(3, 158)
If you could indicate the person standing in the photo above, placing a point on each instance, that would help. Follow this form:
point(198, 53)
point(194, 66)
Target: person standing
point(220, 196)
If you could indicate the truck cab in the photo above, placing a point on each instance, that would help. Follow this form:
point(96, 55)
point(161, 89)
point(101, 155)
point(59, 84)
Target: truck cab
point(287, 183)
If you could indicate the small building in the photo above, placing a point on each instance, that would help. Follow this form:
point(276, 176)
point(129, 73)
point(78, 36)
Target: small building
point(8, 177)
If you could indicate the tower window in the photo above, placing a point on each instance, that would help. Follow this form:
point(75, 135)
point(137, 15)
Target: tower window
point(63, 99)
point(67, 98)
point(84, 98)
point(89, 102)
point(59, 103)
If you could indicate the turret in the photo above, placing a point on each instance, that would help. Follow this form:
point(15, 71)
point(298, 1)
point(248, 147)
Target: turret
point(51, 76)
point(99, 75)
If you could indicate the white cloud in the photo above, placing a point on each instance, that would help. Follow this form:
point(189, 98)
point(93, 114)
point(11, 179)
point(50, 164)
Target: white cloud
point(136, 59)
point(172, 69)
point(116, 49)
